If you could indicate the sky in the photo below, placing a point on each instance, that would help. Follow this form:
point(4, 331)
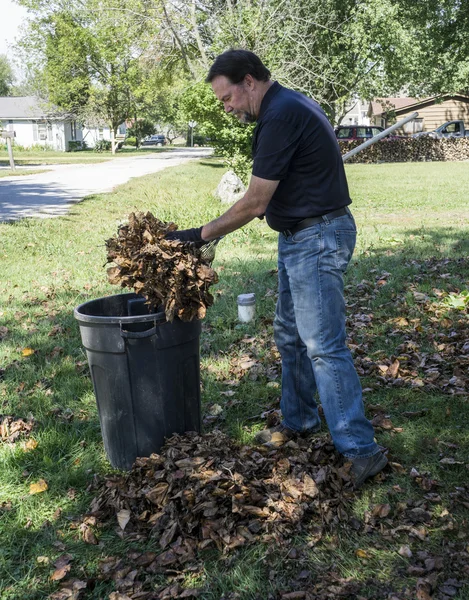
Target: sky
point(11, 16)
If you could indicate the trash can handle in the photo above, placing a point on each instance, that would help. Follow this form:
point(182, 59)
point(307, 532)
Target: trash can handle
point(141, 334)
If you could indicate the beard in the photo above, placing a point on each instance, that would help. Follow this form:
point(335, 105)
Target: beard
point(244, 116)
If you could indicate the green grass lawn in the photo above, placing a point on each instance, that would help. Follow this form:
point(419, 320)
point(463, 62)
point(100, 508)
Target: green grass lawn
point(407, 294)
point(18, 172)
point(50, 157)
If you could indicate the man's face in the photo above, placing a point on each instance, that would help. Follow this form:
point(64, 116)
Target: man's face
point(236, 98)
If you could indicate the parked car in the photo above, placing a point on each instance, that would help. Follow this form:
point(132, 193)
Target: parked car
point(360, 132)
point(155, 140)
point(450, 129)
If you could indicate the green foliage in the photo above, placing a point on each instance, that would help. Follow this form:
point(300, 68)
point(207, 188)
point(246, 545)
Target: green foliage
point(458, 301)
point(130, 141)
point(102, 146)
point(440, 33)
point(139, 130)
point(74, 146)
point(6, 75)
point(231, 139)
point(91, 56)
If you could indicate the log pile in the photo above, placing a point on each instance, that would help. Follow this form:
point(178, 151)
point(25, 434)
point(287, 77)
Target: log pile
point(410, 150)
point(170, 274)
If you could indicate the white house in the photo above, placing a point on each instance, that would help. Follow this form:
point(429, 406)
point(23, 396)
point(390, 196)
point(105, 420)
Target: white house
point(91, 134)
point(357, 113)
point(35, 123)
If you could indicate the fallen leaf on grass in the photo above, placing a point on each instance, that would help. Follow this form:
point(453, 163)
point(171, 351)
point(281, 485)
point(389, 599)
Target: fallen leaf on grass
point(60, 573)
point(3, 332)
point(88, 534)
point(361, 553)
point(123, 517)
point(450, 461)
point(27, 352)
point(381, 511)
point(38, 487)
point(405, 551)
point(31, 444)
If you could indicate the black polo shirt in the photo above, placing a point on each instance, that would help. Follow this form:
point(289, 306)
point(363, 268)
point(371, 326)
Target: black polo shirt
point(294, 142)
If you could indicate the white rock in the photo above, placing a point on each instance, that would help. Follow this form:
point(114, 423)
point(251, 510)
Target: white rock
point(230, 189)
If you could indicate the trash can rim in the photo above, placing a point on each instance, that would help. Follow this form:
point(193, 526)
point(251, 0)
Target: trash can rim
point(84, 318)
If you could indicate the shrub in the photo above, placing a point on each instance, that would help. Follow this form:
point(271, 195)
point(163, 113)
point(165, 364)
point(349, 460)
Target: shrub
point(130, 141)
point(102, 145)
point(41, 148)
point(74, 146)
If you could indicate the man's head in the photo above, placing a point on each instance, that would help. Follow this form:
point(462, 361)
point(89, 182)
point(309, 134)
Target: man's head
point(239, 79)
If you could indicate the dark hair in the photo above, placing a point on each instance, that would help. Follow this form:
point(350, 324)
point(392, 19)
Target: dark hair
point(236, 64)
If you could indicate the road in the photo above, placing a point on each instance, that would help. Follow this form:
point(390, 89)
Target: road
point(51, 194)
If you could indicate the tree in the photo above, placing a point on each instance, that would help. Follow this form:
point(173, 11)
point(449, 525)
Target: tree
point(440, 33)
point(89, 55)
point(6, 75)
point(141, 129)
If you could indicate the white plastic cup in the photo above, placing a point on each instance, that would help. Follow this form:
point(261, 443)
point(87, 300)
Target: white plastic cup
point(246, 307)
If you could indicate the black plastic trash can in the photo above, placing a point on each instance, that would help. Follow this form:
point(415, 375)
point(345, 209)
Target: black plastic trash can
point(145, 372)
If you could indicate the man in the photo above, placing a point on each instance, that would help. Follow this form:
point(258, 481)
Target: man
point(298, 182)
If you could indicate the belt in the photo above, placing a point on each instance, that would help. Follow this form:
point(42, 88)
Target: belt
point(340, 212)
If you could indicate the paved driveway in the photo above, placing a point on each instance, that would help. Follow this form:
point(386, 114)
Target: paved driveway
point(51, 194)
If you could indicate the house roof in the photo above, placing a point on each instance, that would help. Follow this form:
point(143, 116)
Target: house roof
point(406, 104)
point(376, 106)
point(28, 107)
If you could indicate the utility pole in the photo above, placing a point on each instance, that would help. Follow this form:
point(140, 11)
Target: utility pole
point(8, 135)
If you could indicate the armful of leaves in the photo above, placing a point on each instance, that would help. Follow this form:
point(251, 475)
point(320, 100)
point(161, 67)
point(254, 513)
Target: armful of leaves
point(171, 275)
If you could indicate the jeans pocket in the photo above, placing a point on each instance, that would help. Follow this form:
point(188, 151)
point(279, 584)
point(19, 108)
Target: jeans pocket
point(310, 233)
point(345, 243)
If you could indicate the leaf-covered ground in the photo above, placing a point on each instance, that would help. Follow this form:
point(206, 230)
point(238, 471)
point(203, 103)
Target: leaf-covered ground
point(213, 516)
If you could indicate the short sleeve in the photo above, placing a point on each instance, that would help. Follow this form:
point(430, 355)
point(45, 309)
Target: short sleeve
point(277, 142)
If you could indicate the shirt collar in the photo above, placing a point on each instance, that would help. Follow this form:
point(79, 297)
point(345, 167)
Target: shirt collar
point(270, 93)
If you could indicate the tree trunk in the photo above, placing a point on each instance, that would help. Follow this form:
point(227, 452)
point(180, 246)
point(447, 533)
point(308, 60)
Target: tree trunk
point(113, 139)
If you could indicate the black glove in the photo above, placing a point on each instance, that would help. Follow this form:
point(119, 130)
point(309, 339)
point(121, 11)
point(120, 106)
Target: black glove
point(187, 235)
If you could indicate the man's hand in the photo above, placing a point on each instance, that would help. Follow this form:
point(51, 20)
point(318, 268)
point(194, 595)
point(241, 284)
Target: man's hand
point(187, 235)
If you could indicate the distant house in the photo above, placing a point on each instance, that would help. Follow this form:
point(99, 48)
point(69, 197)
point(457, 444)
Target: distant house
point(433, 111)
point(357, 113)
point(93, 134)
point(35, 123)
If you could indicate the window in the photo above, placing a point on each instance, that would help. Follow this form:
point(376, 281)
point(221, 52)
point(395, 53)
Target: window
point(122, 129)
point(375, 131)
point(100, 133)
point(42, 131)
point(345, 132)
point(363, 132)
point(451, 128)
point(73, 126)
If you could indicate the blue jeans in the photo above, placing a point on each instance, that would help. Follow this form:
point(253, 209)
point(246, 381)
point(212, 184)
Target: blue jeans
point(309, 330)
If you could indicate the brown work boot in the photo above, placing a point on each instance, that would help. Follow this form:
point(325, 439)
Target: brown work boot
point(277, 436)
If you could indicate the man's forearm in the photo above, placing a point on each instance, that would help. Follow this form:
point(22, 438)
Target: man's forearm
point(253, 204)
point(235, 217)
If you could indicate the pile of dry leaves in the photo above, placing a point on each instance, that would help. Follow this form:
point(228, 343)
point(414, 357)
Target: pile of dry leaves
point(205, 491)
point(168, 273)
point(12, 428)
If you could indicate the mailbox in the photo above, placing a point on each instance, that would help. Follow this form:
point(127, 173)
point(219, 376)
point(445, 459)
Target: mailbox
point(7, 134)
